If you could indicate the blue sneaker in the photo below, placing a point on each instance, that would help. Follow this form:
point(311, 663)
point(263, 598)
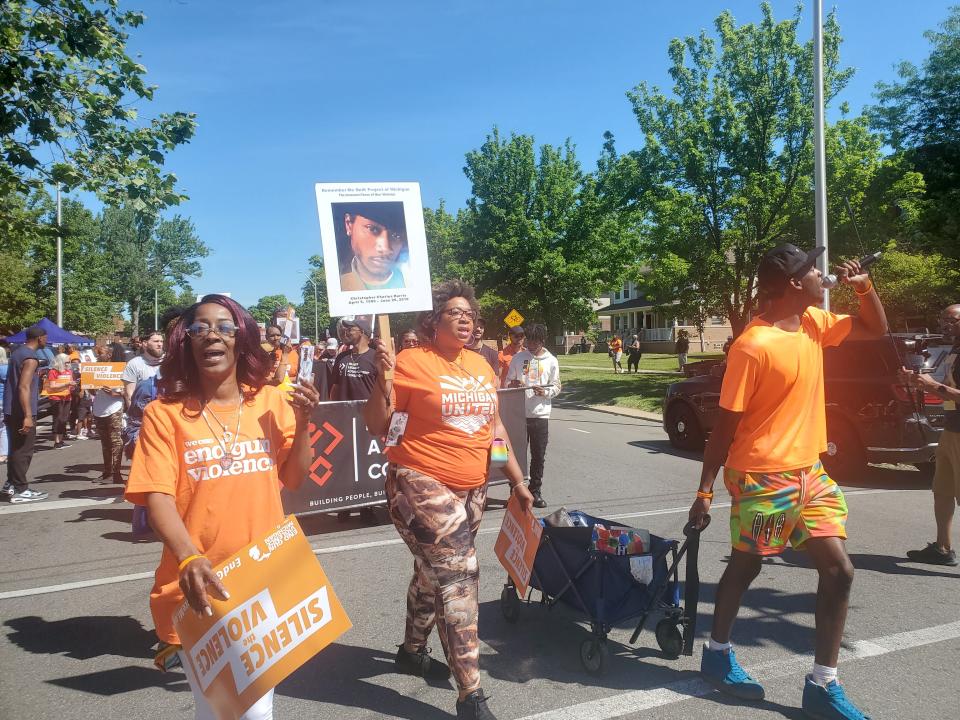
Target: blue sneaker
point(829, 703)
point(722, 670)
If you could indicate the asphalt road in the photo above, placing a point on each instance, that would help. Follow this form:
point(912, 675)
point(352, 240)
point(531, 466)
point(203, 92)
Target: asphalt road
point(84, 650)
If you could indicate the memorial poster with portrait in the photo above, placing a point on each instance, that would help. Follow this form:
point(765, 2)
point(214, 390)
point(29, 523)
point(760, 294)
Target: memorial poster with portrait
point(374, 247)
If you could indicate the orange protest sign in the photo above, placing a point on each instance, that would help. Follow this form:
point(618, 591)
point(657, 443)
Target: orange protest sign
point(281, 612)
point(101, 375)
point(517, 543)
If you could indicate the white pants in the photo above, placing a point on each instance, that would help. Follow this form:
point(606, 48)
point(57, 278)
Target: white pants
point(262, 709)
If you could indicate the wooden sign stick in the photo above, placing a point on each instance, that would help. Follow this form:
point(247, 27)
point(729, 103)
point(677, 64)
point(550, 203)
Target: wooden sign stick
point(383, 330)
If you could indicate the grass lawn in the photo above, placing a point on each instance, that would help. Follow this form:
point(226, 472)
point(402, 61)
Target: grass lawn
point(583, 383)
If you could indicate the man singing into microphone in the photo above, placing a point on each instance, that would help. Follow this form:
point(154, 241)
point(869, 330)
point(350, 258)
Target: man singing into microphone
point(769, 436)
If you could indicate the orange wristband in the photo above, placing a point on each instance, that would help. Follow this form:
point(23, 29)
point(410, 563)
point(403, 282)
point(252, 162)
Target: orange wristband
point(865, 292)
point(705, 495)
point(187, 560)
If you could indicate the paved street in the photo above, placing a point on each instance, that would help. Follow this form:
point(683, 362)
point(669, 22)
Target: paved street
point(77, 633)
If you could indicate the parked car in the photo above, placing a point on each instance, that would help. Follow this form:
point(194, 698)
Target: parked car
point(871, 417)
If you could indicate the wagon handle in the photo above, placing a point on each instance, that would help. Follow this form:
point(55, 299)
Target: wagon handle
point(688, 529)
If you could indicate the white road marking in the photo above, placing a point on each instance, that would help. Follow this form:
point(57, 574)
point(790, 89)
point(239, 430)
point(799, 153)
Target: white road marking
point(80, 584)
point(630, 703)
point(58, 504)
point(586, 432)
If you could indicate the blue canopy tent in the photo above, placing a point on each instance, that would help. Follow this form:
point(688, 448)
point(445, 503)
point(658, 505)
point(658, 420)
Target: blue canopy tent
point(56, 335)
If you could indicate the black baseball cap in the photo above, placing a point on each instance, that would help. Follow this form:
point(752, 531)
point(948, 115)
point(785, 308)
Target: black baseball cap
point(389, 214)
point(784, 262)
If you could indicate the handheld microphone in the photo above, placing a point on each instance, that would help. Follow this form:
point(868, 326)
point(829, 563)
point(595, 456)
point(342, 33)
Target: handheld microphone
point(830, 281)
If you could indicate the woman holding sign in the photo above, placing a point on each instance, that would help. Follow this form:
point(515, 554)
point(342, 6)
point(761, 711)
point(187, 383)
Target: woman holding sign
point(441, 421)
point(211, 454)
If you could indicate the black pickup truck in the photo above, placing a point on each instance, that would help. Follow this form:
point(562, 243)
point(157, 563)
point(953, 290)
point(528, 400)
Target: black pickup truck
point(871, 417)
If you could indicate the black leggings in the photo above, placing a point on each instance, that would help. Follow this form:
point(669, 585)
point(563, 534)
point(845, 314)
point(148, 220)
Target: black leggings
point(61, 415)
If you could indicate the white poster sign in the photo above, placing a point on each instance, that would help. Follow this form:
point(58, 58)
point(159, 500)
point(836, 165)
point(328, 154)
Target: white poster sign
point(374, 247)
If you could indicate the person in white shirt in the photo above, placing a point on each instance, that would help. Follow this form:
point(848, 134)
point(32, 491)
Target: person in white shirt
point(536, 368)
point(143, 366)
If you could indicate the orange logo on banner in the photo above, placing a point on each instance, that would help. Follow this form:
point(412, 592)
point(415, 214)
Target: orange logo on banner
point(101, 375)
point(315, 434)
point(517, 543)
point(281, 612)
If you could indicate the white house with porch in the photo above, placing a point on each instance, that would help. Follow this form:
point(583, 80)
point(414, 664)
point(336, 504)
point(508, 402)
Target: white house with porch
point(631, 313)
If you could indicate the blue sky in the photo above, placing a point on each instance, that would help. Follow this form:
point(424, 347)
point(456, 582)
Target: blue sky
point(291, 93)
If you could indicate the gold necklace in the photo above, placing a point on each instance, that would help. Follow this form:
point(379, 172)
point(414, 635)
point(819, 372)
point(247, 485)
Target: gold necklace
point(228, 457)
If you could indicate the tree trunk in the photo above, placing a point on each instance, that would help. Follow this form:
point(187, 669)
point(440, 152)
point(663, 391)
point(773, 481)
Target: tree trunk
point(135, 317)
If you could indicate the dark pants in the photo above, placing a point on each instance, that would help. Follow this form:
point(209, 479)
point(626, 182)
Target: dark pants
point(537, 435)
point(20, 453)
point(634, 362)
point(61, 415)
point(108, 428)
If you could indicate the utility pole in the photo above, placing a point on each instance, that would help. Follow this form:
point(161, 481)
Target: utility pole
point(819, 153)
point(59, 263)
point(155, 325)
point(316, 315)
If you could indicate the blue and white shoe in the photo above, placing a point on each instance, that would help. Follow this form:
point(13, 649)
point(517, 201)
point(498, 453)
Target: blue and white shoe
point(721, 669)
point(829, 702)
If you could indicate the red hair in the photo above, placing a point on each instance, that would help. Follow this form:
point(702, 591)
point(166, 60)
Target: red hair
point(179, 376)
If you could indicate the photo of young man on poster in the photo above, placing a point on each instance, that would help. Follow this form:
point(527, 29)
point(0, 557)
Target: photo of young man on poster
point(371, 245)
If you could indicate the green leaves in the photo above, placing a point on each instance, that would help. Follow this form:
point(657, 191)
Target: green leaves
point(67, 84)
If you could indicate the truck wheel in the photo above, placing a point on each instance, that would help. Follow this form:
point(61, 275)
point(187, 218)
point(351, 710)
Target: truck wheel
point(845, 459)
point(683, 428)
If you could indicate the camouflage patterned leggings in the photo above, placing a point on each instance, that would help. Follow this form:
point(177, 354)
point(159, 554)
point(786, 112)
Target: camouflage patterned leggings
point(439, 526)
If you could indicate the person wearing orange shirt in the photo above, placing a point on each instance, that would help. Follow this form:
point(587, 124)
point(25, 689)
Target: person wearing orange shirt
point(286, 360)
point(517, 336)
point(616, 353)
point(211, 454)
point(58, 387)
point(446, 396)
point(769, 436)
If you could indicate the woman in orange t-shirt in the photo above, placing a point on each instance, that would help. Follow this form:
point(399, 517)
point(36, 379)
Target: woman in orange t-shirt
point(437, 483)
point(210, 458)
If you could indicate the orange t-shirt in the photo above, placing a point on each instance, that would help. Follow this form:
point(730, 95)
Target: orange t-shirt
point(775, 378)
point(452, 406)
point(57, 386)
point(506, 355)
point(223, 510)
point(293, 361)
point(616, 344)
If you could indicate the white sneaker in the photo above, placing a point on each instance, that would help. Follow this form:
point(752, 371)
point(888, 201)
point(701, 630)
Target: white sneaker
point(8, 489)
point(28, 496)
point(82, 435)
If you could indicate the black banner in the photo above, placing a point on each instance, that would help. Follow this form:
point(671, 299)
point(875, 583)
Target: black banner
point(349, 466)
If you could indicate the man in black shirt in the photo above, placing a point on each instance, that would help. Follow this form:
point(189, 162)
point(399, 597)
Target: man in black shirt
point(355, 372)
point(946, 477)
point(20, 399)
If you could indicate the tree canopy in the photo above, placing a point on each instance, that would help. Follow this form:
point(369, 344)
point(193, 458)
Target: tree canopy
point(68, 114)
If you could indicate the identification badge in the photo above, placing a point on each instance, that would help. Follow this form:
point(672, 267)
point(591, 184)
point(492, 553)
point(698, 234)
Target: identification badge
point(499, 454)
point(398, 423)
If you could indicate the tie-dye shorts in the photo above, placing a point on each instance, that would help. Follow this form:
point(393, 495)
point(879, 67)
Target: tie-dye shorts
point(768, 509)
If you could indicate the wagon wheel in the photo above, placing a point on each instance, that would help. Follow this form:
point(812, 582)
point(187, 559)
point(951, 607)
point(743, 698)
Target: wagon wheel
point(670, 637)
point(510, 604)
point(594, 654)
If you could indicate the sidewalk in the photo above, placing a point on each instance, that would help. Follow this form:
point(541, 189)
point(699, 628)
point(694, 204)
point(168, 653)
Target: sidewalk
point(610, 370)
point(625, 412)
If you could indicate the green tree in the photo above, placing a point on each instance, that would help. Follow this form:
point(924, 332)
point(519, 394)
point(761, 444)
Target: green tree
point(305, 308)
point(444, 242)
point(69, 91)
point(266, 306)
point(915, 288)
point(536, 234)
point(920, 117)
point(147, 254)
point(727, 158)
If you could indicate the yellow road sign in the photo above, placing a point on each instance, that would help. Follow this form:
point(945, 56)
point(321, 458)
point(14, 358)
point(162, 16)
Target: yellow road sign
point(513, 319)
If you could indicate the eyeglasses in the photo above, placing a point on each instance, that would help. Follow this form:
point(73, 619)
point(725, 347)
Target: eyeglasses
point(458, 313)
point(201, 330)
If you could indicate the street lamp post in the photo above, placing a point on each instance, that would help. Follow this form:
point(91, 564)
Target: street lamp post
point(819, 153)
point(316, 314)
point(59, 264)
